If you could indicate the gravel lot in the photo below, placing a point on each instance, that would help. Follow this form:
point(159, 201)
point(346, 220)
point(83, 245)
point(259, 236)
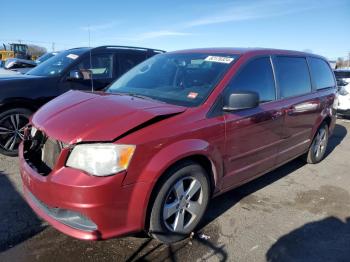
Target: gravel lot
point(296, 213)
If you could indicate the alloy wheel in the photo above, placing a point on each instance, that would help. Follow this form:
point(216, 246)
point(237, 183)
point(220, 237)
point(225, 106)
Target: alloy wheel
point(320, 143)
point(12, 131)
point(183, 204)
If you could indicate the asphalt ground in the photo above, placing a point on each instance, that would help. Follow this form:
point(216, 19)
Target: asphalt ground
point(298, 212)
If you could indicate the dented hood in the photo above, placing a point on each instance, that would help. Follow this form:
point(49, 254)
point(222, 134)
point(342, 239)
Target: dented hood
point(80, 116)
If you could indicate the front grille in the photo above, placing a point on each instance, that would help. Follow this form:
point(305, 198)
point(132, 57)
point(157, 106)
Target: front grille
point(50, 152)
point(41, 152)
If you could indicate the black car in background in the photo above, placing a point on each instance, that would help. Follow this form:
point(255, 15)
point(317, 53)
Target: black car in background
point(89, 69)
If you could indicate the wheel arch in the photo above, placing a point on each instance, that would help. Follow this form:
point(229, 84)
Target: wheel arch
point(326, 118)
point(17, 103)
point(198, 158)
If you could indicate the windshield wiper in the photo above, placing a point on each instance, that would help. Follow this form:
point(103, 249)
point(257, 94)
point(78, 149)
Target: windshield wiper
point(139, 96)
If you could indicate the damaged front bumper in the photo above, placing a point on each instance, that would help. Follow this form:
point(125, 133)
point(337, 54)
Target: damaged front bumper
point(84, 206)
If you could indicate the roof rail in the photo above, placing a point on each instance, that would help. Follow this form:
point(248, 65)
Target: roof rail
point(129, 47)
point(77, 48)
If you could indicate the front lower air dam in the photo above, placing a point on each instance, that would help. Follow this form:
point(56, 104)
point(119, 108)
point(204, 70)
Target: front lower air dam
point(67, 217)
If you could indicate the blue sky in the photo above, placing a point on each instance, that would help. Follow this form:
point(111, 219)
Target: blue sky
point(320, 26)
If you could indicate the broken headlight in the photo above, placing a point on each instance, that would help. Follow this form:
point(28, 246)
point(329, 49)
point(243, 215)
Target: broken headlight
point(101, 159)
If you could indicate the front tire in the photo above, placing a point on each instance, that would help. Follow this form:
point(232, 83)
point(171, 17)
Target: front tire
point(179, 206)
point(319, 145)
point(12, 123)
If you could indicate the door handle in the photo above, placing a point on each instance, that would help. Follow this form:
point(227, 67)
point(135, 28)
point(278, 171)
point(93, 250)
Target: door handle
point(290, 111)
point(277, 115)
point(302, 108)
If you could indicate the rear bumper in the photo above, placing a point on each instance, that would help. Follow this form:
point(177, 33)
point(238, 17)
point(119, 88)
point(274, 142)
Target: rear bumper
point(84, 206)
point(343, 112)
point(343, 104)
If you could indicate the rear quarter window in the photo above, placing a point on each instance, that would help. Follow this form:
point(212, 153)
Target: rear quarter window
point(292, 76)
point(321, 73)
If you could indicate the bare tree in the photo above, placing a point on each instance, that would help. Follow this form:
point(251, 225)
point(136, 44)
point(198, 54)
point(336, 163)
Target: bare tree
point(340, 62)
point(34, 50)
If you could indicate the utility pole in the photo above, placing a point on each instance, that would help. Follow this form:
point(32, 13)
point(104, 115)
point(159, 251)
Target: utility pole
point(349, 60)
point(53, 46)
point(91, 75)
point(89, 37)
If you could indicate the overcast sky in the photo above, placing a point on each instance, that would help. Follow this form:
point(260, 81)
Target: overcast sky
point(320, 26)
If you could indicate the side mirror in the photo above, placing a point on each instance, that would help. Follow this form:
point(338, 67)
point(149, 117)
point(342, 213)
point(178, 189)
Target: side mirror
point(242, 100)
point(75, 75)
point(341, 83)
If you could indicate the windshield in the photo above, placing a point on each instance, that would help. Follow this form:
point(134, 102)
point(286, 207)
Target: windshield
point(56, 64)
point(180, 79)
point(44, 57)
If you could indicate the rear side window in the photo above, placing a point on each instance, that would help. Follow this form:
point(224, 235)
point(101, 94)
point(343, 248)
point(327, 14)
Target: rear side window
point(256, 76)
point(293, 76)
point(129, 60)
point(321, 73)
point(101, 66)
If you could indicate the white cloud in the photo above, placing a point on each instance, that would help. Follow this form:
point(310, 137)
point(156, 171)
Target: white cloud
point(226, 12)
point(160, 33)
point(145, 36)
point(252, 11)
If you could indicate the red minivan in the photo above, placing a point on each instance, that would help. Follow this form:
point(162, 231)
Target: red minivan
point(178, 129)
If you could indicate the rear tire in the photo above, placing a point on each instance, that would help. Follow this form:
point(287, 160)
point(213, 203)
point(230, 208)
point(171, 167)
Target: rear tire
point(180, 203)
point(319, 145)
point(12, 123)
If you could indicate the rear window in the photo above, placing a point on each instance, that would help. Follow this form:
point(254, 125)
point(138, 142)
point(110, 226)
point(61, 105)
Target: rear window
point(321, 73)
point(342, 74)
point(292, 76)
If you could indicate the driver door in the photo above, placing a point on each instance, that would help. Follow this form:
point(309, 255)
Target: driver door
point(252, 135)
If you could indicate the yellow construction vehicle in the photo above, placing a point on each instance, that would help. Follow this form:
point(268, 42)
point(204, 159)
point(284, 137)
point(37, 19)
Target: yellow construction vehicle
point(14, 50)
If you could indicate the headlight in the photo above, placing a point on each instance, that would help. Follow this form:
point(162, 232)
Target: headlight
point(101, 159)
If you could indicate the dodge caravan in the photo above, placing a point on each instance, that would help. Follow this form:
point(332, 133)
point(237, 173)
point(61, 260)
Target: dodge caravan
point(150, 152)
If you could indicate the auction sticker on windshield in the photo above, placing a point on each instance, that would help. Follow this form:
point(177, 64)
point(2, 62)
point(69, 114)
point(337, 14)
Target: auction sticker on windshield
point(192, 95)
point(219, 59)
point(72, 56)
